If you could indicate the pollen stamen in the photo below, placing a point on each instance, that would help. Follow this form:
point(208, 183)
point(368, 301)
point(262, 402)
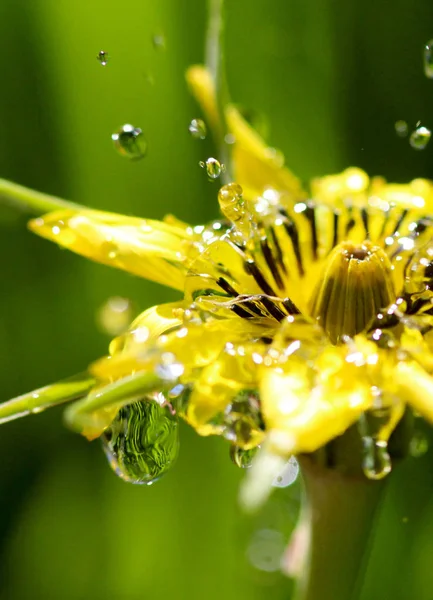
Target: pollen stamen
point(356, 284)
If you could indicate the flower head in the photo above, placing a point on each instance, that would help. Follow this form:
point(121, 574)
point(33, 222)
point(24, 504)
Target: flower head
point(304, 312)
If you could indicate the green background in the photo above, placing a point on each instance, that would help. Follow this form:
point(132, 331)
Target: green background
point(332, 78)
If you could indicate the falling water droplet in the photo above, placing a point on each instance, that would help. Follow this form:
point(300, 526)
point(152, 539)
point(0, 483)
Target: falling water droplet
point(428, 59)
point(213, 167)
point(142, 442)
point(419, 138)
point(242, 458)
point(129, 141)
point(418, 445)
point(401, 128)
point(376, 462)
point(103, 57)
point(197, 129)
point(158, 41)
point(115, 315)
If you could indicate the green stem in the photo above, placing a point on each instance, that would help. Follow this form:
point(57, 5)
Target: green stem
point(214, 59)
point(31, 201)
point(339, 514)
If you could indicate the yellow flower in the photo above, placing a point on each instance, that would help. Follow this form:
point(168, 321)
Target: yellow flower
point(304, 312)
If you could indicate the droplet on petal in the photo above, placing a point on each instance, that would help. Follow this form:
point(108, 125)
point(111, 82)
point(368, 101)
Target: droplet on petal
point(197, 129)
point(142, 442)
point(242, 458)
point(103, 57)
point(129, 141)
point(419, 138)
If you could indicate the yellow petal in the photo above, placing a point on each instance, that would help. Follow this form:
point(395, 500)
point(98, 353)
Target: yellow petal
point(415, 386)
point(150, 249)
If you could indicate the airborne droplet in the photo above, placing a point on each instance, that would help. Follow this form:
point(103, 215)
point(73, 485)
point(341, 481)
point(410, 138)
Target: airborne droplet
point(242, 458)
point(213, 167)
point(103, 57)
point(401, 128)
point(129, 141)
point(428, 59)
point(419, 138)
point(197, 129)
point(142, 442)
point(115, 315)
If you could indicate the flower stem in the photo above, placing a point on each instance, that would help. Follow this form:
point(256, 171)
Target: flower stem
point(30, 201)
point(339, 514)
point(214, 59)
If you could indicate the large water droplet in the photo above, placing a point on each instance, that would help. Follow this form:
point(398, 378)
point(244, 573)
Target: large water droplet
point(230, 201)
point(129, 141)
point(213, 167)
point(428, 59)
point(115, 315)
point(197, 129)
point(142, 442)
point(376, 462)
point(419, 138)
point(401, 128)
point(242, 458)
point(103, 57)
point(242, 420)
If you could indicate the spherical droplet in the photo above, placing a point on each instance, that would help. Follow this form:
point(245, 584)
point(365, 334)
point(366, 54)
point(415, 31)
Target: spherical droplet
point(401, 128)
point(242, 458)
point(419, 138)
point(376, 462)
point(102, 57)
point(115, 315)
point(213, 167)
point(129, 141)
point(230, 201)
point(428, 59)
point(197, 129)
point(142, 442)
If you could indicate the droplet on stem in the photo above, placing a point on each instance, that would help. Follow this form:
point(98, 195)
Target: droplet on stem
point(129, 141)
point(102, 57)
point(197, 129)
point(419, 138)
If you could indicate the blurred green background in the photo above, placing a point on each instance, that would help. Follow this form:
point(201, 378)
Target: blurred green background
point(332, 77)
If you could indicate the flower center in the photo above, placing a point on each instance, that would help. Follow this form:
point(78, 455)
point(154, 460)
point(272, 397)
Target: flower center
point(356, 284)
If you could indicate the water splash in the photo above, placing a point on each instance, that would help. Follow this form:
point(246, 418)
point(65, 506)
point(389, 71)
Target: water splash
point(129, 141)
point(142, 442)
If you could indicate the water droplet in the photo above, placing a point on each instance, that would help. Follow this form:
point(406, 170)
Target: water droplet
point(376, 462)
point(243, 421)
point(428, 59)
point(418, 445)
point(401, 128)
point(231, 202)
point(288, 474)
point(242, 458)
point(103, 57)
point(142, 442)
point(115, 315)
point(197, 129)
point(129, 141)
point(266, 550)
point(158, 41)
point(419, 138)
point(213, 167)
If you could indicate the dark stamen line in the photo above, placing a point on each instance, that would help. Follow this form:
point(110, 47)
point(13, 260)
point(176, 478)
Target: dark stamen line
point(252, 269)
point(278, 250)
point(272, 308)
point(293, 234)
point(310, 213)
point(225, 285)
point(273, 267)
point(364, 217)
point(385, 223)
point(335, 237)
point(291, 307)
point(400, 220)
